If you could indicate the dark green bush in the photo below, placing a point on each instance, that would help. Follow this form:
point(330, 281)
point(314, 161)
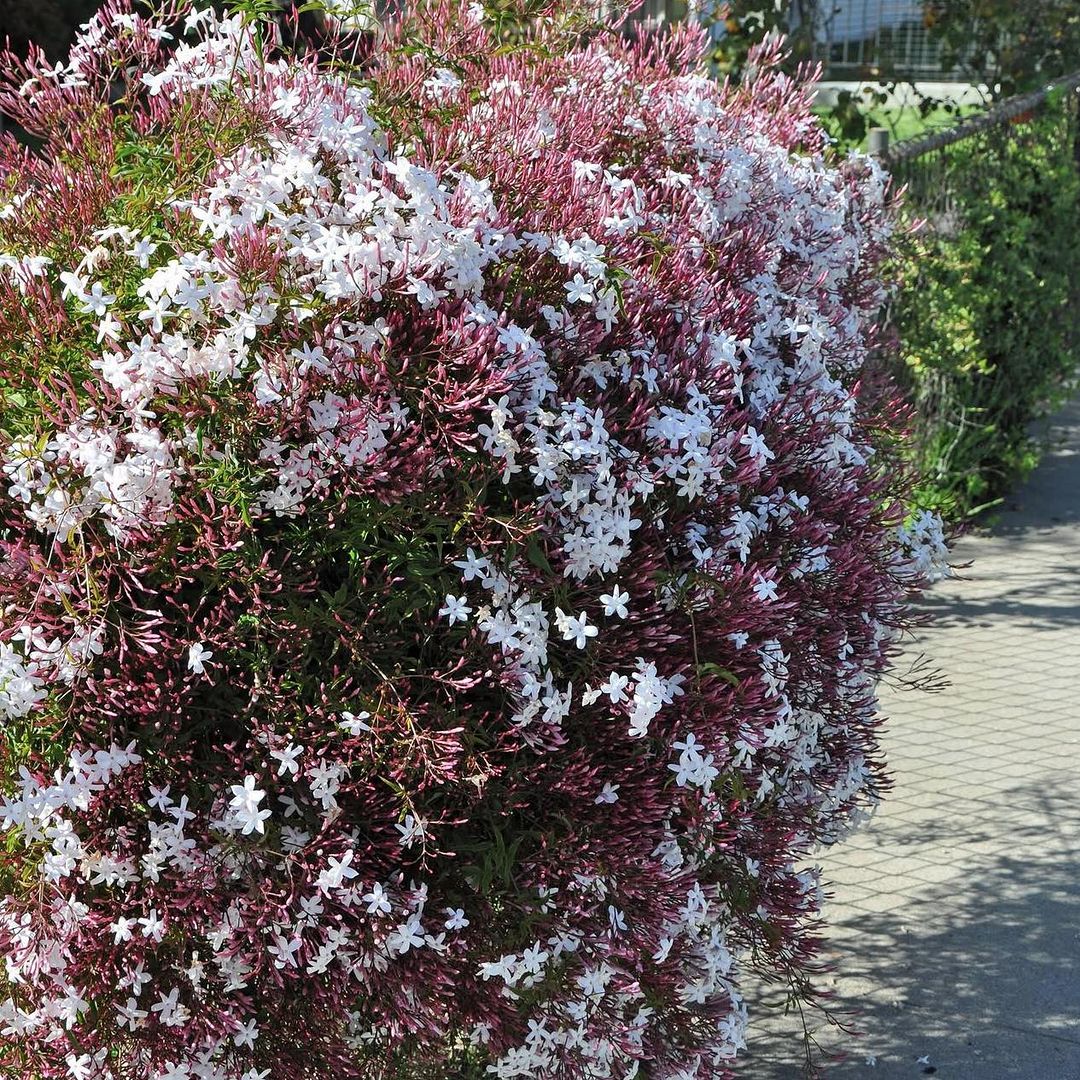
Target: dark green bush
point(986, 310)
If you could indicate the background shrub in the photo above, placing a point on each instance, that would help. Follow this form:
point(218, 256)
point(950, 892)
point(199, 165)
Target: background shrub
point(987, 309)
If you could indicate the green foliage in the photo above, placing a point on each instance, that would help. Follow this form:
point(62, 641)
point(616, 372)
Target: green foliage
point(745, 23)
point(986, 312)
point(1010, 46)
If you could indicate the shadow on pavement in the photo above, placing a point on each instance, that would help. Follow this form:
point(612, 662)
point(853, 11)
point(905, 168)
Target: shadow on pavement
point(1049, 496)
point(954, 934)
point(980, 974)
point(1048, 601)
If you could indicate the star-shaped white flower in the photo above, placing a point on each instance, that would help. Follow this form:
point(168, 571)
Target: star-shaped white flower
point(245, 806)
point(198, 654)
point(455, 609)
point(287, 759)
point(615, 602)
point(578, 630)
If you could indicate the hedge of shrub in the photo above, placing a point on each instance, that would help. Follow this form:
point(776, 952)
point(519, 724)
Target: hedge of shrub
point(447, 550)
point(987, 311)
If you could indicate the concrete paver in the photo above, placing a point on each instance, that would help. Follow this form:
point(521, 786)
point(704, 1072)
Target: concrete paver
point(955, 925)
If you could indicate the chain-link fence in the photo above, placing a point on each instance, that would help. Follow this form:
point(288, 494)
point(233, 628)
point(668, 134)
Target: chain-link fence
point(936, 174)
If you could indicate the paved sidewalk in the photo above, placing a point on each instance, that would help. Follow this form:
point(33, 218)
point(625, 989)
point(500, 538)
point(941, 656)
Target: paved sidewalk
point(955, 927)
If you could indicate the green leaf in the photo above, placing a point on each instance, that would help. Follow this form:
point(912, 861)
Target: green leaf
point(710, 668)
point(535, 554)
point(1055, 96)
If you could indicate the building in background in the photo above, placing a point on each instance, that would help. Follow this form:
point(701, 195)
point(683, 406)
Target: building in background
point(869, 39)
point(855, 40)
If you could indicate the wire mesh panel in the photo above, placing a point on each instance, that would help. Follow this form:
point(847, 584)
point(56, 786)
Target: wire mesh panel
point(858, 38)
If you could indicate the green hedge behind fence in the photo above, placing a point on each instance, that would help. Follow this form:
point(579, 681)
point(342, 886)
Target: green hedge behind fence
point(987, 310)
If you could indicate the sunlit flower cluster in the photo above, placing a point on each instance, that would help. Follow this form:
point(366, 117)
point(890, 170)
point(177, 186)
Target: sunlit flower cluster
point(447, 549)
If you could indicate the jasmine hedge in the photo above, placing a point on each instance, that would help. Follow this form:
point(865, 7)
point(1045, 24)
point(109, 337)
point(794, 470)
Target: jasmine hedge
point(447, 551)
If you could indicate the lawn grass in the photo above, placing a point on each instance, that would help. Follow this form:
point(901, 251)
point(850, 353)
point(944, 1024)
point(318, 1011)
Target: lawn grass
point(908, 122)
point(903, 122)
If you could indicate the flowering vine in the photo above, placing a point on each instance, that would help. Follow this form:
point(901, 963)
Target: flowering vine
point(447, 549)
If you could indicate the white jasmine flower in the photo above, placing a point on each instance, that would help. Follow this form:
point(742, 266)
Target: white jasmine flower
point(471, 566)
point(615, 602)
point(337, 872)
point(764, 589)
point(609, 794)
point(355, 723)
point(246, 1034)
point(411, 830)
point(377, 900)
point(287, 759)
point(197, 656)
point(122, 929)
point(579, 290)
point(578, 630)
point(456, 920)
point(245, 806)
point(754, 441)
point(142, 250)
point(455, 609)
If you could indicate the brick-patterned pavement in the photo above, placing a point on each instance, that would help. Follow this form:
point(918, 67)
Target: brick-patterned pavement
point(955, 926)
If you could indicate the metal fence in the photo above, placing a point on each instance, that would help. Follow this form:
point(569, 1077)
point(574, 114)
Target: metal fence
point(939, 168)
point(861, 39)
point(852, 39)
point(988, 307)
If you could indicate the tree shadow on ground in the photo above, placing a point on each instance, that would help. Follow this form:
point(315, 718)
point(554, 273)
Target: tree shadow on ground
point(981, 974)
point(1049, 600)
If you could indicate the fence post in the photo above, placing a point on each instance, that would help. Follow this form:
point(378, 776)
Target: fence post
point(878, 144)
